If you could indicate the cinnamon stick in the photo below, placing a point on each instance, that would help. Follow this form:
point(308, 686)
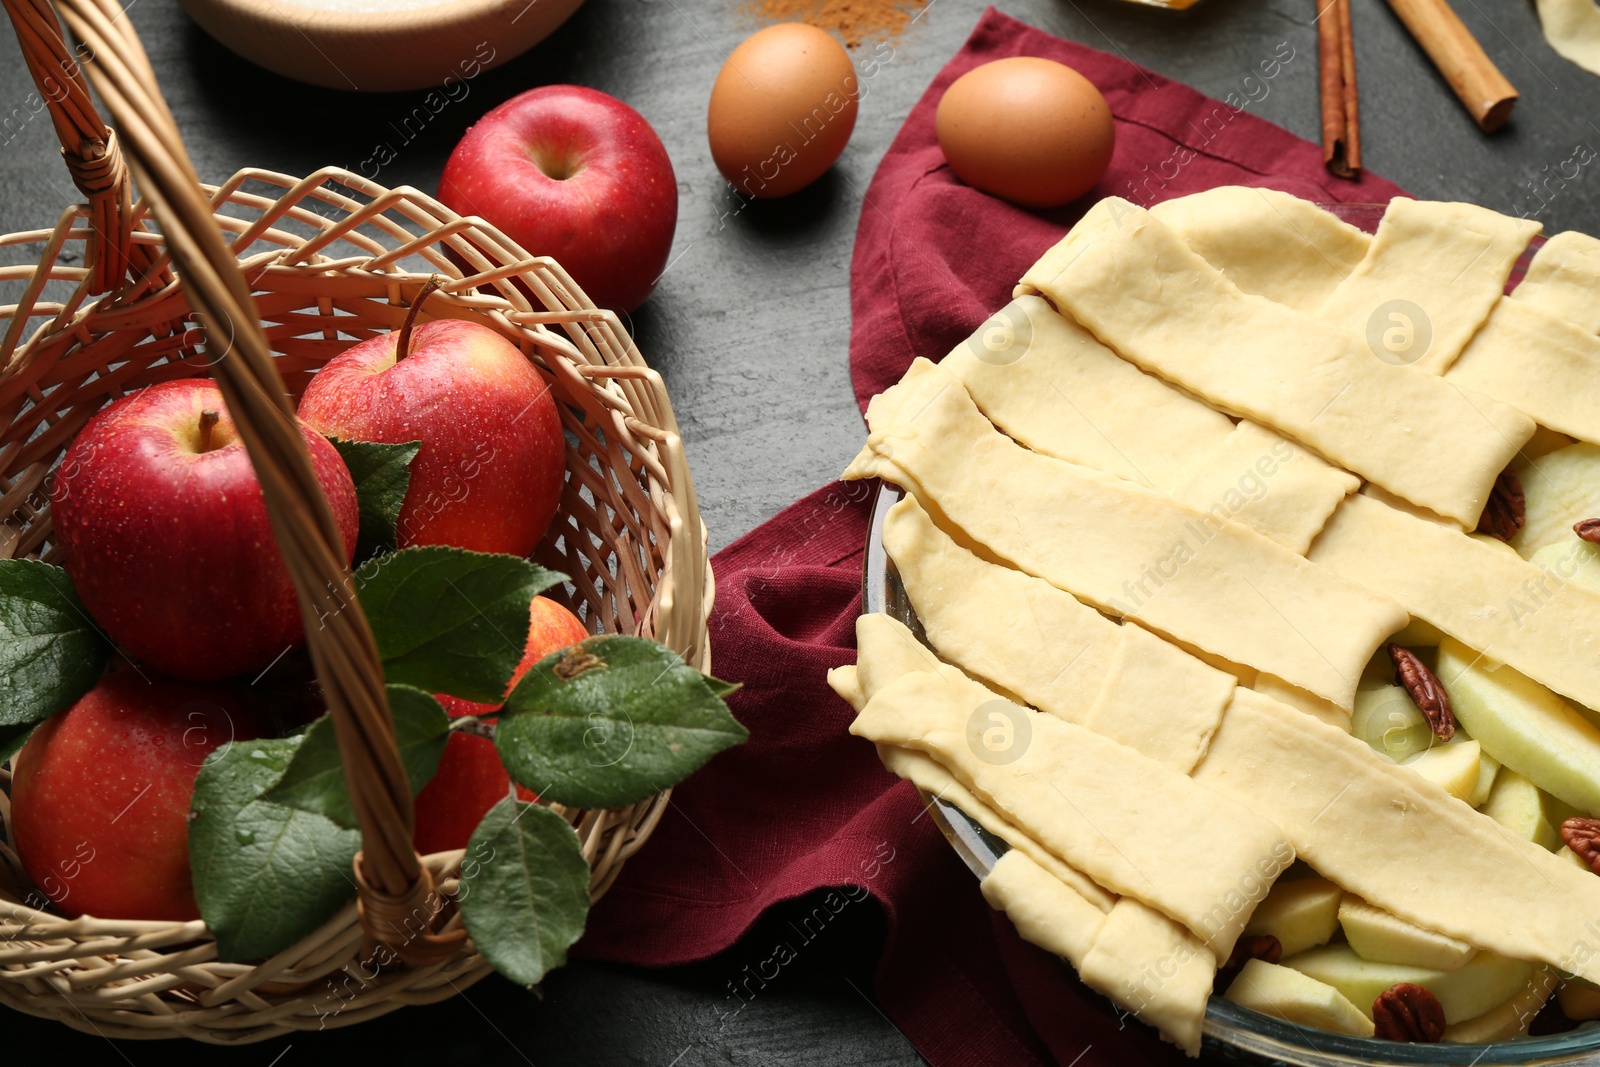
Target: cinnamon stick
point(1341, 109)
point(1477, 82)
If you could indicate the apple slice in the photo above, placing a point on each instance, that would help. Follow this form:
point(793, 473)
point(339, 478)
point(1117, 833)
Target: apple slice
point(1521, 807)
point(1452, 767)
point(1301, 914)
point(1510, 1019)
point(1524, 725)
point(1579, 1000)
point(1573, 858)
point(1488, 770)
point(1481, 983)
point(1568, 560)
point(1296, 998)
point(1381, 937)
point(1559, 488)
point(1386, 719)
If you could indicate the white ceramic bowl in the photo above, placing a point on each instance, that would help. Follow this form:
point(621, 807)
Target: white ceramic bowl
point(379, 45)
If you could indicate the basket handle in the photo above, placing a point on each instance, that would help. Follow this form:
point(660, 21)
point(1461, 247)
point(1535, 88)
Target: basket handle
point(393, 886)
point(89, 148)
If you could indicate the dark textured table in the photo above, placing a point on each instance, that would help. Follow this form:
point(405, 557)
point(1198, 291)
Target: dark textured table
point(751, 327)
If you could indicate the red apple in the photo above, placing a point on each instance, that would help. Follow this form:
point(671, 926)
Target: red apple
point(100, 794)
point(165, 534)
point(471, 778)
point(493, 458)
point(575, 174)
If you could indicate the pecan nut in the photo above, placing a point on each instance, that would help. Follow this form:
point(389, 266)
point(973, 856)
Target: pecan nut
point(1583, 837)
point(1588, 530)
point(1507, 508)
point(1408, 1012)
point(1249, 947)
point(1255, 947)
point(1425, 691)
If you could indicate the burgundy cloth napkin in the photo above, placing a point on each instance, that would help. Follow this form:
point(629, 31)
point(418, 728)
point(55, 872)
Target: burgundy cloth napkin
point(803, 805)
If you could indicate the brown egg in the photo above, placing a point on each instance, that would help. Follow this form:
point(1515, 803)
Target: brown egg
point(1029, 130)
point(782, 109)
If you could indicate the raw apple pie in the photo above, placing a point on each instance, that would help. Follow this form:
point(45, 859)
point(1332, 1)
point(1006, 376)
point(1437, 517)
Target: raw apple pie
point(1253, 556)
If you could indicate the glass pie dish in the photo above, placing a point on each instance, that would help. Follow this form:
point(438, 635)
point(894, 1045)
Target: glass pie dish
point(1231, 1033)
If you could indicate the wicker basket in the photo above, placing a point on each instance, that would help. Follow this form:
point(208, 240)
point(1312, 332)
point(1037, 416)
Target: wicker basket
point(274, 276)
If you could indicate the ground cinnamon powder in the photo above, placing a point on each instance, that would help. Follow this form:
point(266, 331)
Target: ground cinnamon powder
point(853, 20)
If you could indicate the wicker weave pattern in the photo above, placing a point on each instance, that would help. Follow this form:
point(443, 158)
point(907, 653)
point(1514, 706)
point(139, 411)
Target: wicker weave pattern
point(331, 259)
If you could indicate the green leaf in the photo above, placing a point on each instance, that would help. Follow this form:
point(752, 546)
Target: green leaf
point(524, 889)
point(50, 652)
point(265, 875)
point(722, 689)
point(382, 474)
point(315, 782)
point(611, 721)
point(451, 621)
point(12, 738)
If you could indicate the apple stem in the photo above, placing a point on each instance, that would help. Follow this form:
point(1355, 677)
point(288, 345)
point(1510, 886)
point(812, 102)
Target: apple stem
point(403, 347)
point(471, 724)
point(208, 422)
